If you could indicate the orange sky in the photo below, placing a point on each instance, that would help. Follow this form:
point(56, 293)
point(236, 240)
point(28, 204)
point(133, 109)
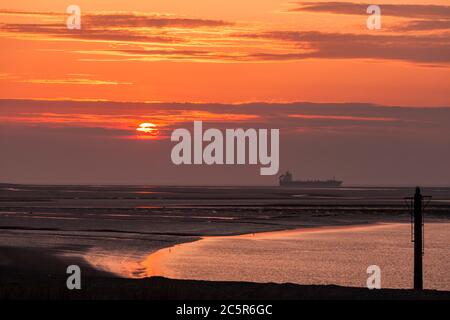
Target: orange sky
point(217, 51)
point(366, 106)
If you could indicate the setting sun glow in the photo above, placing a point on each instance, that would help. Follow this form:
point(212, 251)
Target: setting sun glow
point(148, 128)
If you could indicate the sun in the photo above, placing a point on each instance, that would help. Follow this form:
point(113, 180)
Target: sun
point(148, 128)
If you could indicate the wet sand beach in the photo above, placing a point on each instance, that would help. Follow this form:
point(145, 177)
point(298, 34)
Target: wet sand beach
point(312, 256)
point(111, 231)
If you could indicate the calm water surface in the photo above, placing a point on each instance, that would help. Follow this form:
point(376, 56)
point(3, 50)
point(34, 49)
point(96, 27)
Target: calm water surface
point(317, 256)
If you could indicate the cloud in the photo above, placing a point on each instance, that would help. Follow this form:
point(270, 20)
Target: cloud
point(71, 79)
point(112, 26)
point(140, 20)
point(424, 48)
point(128, 19)
point(423, 25)
point(422, 11)
point(427, 49)
point(90, 145)
point(76, 81)
point(170, 53)
point(29, 13)
point(342, 118)
point(426, 17)
point(181, 39)
point(167, 116)
point(117, 117)
point(60, 31)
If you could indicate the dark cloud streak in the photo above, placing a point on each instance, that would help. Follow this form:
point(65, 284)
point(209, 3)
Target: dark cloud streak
point(425, 49)
point(424, 25)
point(423, 11)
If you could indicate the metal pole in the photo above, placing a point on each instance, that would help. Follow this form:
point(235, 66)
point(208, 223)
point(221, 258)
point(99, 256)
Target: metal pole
point(418, 271)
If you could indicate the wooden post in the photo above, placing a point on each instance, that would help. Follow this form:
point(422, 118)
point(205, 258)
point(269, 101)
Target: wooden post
point(418, 229)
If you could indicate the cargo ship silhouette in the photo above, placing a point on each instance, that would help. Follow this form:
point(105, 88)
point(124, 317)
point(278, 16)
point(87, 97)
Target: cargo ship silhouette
point(286, 180)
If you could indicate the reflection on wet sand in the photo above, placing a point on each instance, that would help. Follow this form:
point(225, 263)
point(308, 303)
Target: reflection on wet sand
point(122, 264)
point(329, 255)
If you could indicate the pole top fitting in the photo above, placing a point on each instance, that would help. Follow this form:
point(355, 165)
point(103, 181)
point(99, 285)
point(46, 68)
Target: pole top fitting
point(418, 191)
